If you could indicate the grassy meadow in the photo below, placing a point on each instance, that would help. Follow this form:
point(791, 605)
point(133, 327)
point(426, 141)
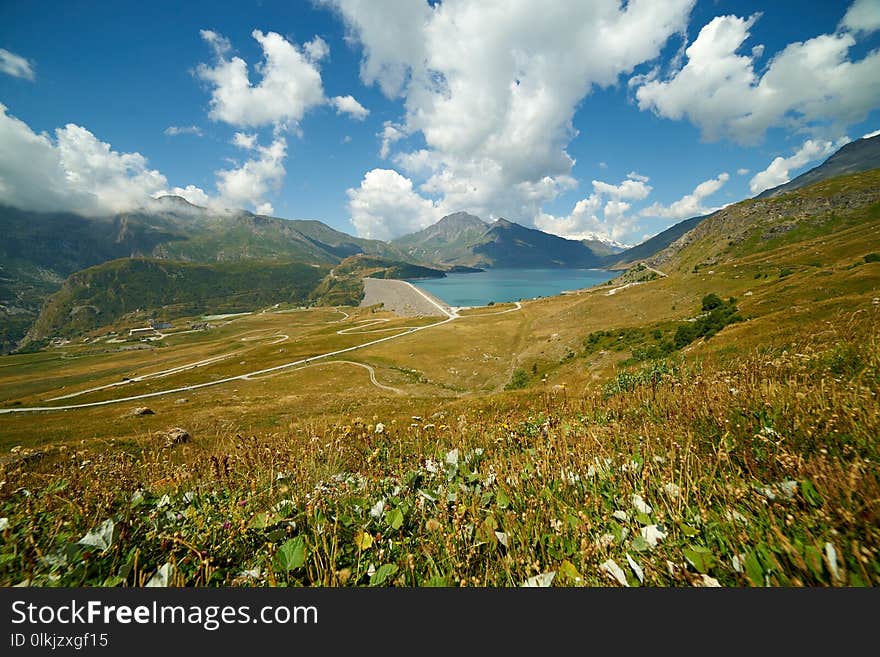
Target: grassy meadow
point(578, 440)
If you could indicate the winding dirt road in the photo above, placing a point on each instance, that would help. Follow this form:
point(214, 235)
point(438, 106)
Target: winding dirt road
point(451, 314)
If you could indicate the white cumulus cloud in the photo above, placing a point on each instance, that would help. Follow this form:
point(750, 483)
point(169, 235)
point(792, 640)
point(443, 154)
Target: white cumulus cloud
point(391, 132)
point(608, 200)
point(778, 171)
point(348, 105)
point(812, 85)
point(862, 16)
point(15, 65)
point(316, 49)
point(689, 205)
point(386, 206)
point(290, 82)
point(193, 194)
point(73, 171)
point(262, 173)
point(493, 86)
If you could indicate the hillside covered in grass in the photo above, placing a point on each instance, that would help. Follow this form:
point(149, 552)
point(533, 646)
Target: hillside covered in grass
point(716, 425)
point(103, 294)
point(344, 285)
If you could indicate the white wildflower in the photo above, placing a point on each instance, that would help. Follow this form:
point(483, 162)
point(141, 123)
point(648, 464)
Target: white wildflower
point(652, 535)
point(708, 582)
point(672, 490)
point(542, 580)
point(787, 488)
point(831, 557)
point(636, 568)
point(640, 505)
point(614, 571)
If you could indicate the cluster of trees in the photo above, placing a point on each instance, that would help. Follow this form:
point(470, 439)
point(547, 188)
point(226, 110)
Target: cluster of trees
point(717, 314)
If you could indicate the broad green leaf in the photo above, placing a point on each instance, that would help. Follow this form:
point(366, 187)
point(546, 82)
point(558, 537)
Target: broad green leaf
point(699, 557)
point(502, 500)
point(394, 518)
point(292, 554)
point(643, 519)
point(639, 544)
point(687, 530)
point(162, 577)
point(810, 493)
point(102, 537)
point(766, 558)
point(754, 572)
point(382, 574)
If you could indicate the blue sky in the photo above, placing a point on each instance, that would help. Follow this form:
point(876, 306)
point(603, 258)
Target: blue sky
point(583, 119)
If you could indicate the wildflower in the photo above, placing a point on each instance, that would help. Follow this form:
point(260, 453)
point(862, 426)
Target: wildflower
point(672, 490)
point(636, 568)
point(377, 509)
point(542, 580)
point(380, 428)
point(614, 571)
point(831, 557)
point(227, 525)
point(652, 535)
point(640, 505)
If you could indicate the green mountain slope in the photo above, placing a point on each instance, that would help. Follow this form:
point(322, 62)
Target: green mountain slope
point(760, 224)
point(507, 244)
point(464, 240)
point(40, 250)
point(859, 155)
point(103, 294)
point(653, 245)
point(446, 242)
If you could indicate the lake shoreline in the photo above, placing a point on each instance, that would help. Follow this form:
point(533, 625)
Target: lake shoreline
point(507, 285)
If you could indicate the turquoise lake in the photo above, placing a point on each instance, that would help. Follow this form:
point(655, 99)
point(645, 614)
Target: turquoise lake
point(500, 285)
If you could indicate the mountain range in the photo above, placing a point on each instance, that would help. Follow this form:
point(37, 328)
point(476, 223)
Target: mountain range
point(62, 273)
point(465, 240)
